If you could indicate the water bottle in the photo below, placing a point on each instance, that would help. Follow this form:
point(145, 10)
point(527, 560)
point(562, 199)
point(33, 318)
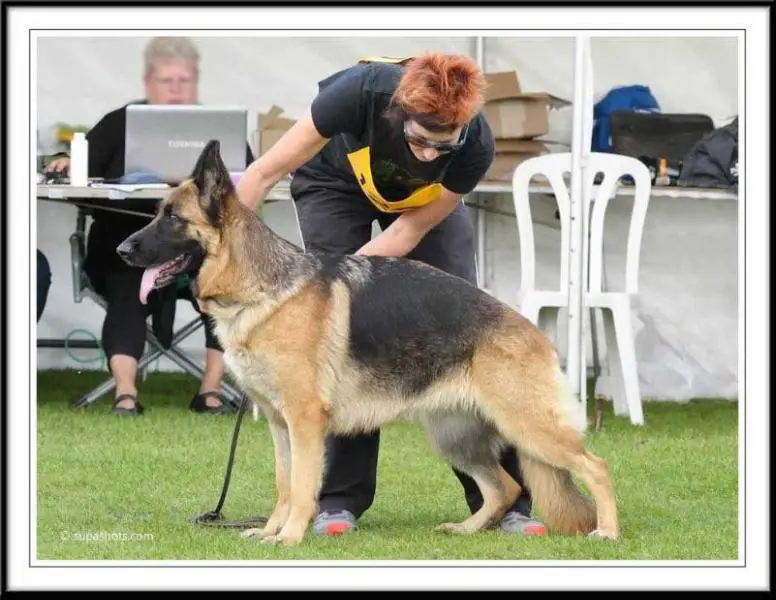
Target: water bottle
point(79, 160)
point(39, 164)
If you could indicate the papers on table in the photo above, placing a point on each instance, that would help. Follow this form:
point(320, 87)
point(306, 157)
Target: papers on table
point(129, 187)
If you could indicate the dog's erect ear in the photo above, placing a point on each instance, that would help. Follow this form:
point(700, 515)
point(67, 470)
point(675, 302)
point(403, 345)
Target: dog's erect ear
point(212, 180)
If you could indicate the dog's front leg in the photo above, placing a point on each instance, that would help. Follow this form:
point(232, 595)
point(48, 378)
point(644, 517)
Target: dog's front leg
point(306, 428)
point(279, 431)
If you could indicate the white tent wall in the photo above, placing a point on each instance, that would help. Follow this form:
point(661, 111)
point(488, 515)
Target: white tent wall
point(687, 326)
point(80, 79)
point(685, 74)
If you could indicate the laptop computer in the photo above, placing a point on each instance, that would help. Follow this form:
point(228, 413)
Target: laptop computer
point(165, 141)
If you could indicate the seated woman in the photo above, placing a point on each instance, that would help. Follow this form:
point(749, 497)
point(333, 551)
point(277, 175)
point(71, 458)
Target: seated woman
point(171, 76)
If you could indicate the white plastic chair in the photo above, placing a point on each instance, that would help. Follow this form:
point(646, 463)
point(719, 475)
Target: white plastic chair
point(541, 306)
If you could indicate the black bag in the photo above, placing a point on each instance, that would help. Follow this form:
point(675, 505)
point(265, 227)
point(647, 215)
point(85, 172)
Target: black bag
point(713, 161)
point(659, 140)
point(657, 135)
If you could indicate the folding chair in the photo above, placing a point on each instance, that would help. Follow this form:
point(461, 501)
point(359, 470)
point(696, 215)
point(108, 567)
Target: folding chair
point(82, 288)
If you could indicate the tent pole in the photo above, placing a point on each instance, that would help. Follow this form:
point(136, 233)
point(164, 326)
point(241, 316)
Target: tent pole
point(481, 216)
point(580, 152)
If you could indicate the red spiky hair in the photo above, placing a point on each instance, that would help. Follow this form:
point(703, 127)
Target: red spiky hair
point(444, 90)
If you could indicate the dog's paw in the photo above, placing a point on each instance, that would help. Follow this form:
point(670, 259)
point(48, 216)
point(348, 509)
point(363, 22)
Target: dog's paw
point(451, 528)
point(602, 535)
point(284, 540)
point(270, 540)
point(255, 532)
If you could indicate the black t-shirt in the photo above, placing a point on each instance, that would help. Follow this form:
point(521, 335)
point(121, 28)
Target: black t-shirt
point(106, 145)
point(106, 159)
point(350, 109)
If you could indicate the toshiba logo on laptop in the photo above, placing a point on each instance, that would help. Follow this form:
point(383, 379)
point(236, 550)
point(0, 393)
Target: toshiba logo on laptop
point(186, 144)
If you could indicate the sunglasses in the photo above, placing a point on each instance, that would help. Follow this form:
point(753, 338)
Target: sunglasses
point(440, 147)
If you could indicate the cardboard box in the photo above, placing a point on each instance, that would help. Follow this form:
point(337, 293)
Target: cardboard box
point(533, 147)
point(271, 128)
point(514, 114)
point(506, 161)
point(503, 166)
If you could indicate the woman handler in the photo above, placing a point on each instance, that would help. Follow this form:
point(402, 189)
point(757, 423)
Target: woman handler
point(399, 142)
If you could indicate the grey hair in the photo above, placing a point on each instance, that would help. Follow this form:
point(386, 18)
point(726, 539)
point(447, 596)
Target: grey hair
point(169, 48)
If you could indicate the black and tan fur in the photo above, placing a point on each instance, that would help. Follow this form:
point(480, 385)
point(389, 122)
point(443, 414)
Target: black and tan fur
point(338, 345)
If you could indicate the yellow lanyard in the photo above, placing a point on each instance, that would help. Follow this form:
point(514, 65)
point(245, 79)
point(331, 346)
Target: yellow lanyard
point(362, 168)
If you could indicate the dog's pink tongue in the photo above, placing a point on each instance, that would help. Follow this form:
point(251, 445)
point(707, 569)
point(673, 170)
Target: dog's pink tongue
point(147, 283)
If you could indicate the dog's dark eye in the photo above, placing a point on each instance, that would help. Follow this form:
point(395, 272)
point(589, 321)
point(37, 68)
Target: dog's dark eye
point(170, 214)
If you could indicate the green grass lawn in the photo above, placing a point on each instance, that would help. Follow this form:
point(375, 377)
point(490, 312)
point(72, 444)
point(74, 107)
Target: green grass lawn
point(100, 476)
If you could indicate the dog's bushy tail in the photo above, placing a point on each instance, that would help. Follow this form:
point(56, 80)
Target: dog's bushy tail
point(532, 407)
point(563, 506)
point(560, 502)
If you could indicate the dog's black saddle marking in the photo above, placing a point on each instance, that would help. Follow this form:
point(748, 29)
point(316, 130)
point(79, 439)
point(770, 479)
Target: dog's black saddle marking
point(410, 324)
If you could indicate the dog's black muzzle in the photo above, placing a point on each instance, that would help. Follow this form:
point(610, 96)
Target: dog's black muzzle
point(126, 251)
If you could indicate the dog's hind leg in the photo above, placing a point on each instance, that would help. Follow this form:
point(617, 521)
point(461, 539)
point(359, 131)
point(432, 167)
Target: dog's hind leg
point(548, 460)
point(279, 431)
point(520, 389)
point(499, 492)
point(472, 446)
point(551, 451)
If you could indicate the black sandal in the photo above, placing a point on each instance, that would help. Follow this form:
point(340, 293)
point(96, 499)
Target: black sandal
point(199, 404)
point(137, 409)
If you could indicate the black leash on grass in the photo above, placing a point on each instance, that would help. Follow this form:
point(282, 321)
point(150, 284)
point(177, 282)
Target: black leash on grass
point(214, 518)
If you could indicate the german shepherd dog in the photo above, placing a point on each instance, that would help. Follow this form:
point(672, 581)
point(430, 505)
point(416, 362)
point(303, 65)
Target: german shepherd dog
point(343, 344)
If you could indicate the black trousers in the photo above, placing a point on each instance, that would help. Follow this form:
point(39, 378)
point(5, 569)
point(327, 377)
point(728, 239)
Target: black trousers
point(124, 327)
point(335, 223)
point(44, 281)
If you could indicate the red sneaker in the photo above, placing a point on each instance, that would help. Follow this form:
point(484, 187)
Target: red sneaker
point(334, 522)
point(514, 522)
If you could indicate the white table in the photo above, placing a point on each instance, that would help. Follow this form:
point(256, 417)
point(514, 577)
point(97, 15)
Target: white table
point(478, 199)
point(281, 191)
point(99, 197)
point(497, 187)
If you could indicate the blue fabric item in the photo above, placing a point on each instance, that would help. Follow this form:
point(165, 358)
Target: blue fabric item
point(637, 98)
point(140, 177)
